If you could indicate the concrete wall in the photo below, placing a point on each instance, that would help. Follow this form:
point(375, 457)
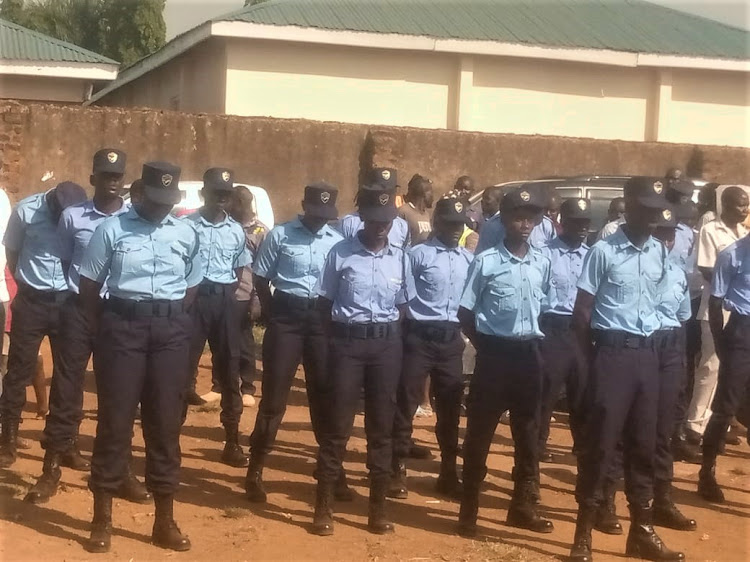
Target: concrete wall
point(282, 155)
point(325, 83)
point(43, 88)
point(194, 81)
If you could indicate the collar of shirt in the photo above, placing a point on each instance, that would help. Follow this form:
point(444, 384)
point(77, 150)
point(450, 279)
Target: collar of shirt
point(440, 247)
point(132, 214)
point(506, 256)
point(90, 209)
point(205, 222)
point(558, 243)
point(620, 240)
point(359, 248)
point(721, 225)
point(298, 224)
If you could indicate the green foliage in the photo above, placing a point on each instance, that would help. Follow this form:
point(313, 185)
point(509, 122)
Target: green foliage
point(125, 31)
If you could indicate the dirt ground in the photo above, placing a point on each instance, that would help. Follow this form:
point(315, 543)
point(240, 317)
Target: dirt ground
point(222, 525)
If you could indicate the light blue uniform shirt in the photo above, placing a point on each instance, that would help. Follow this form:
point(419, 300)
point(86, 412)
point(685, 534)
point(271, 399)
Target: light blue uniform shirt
point(566, 264)
point(32, 232)
point(365, 287)
point(75, 229)
point(143, 261)
point(398, 235)
point(673, 297)
point(624, 280)
point(505, 292)
point(731, 279)
point(439, 277)
point(291, 257)
point(684, 246)
point(222, 248)
point(493, 232)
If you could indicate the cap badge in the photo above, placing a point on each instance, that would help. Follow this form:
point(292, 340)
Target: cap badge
point(582, 204)
point(458, 206)
point(225, 176)
point(386, 175)
point(112, 157)
point(667, 214)
point(525, 196)
point(166, 180)
point(325, 197)
point(384, 198)
point(658, 187)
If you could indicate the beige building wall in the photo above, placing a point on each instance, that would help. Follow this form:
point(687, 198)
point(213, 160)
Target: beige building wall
point(194, 81)
point(557, 98)
point(43, 88)
point(328, 83)
point(708, 108)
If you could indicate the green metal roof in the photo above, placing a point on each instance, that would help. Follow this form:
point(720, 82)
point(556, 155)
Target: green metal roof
point(618, 25)
point(20, 43)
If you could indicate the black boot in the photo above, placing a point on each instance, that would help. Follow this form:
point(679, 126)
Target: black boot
point(342, 492)
point(323, 516)
point(101, 526)
point(522, 512)
point(8, 439)
point(194, 399)
point(606, 520)
point(166, 534)
point(254, 490)
point(581, 549)
point(46, 486)
point(643, 542)
point(232, 454)
point(708, 487)
point(448, 483)
point(467, 514)
point(377, 520)
point(133, 490)
point(666, 513)
point(683, 450)
point(397, 488)
point(72, 458)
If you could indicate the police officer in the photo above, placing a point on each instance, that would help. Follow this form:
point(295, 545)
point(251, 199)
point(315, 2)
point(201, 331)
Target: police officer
point(214, 312)
point(34, 260)
point(76, 226)
point(616, 308)
point(291, 258)
point(362, 289)
point(151, 264)
point(433, 345)
point(730, 287)
point(493, 231)
point(562, 362)
point(385, 179)
point(499, 313)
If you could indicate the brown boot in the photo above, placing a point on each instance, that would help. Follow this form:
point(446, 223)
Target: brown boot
point(101, 526)
point(46, 486)
point(166, 534)
point(323, 516)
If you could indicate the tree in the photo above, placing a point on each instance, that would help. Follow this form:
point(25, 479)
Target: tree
point(132, 30)
point(12, 10)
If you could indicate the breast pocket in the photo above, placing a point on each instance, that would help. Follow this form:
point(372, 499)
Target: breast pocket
point(432, 285)
point(503, 298)
point(624, 286)
point(560, 288)
point(130, 257)
point(354, 289)
point(293, 261)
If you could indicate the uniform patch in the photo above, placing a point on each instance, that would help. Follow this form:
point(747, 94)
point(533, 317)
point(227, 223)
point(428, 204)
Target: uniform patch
point(166, 180)
point(384, 198)
point(582, 204)
point(325, 197)
point(667, 214)
point(458, 206)
point(386, 175)
point(525, 195)
point(225, 176)
point(658, 187)
point(112, 157)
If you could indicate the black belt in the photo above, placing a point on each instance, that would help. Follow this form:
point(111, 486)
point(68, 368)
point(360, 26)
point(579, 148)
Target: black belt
point(440, 332)
point(44, 296)
point(613, 338)
point(669, 338)
point(144, 309)
point(366, 331)
point(498, 344)
point(556, 322)
point(207, 288)
point(295, 302)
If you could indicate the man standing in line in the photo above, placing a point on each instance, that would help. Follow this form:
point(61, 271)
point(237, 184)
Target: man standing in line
point(416, 210)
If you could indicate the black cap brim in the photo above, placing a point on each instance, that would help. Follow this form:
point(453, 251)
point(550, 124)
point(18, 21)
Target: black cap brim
point(531, 206)
point(652, 201)
point(321, 211)
point(162, 196)
point(108, 168)
point(219, 187)
point(378, 214)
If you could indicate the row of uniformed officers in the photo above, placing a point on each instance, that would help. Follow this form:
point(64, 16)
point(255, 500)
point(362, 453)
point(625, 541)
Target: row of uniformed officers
point(361, 311)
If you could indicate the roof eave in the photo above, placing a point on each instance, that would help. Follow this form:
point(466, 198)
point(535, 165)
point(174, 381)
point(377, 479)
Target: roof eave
point(61, 69)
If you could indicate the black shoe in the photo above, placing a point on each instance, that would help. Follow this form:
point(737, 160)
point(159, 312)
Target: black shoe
point(397, 488)
point(644, 543)
point(254, 490)
point(46, 486)
point(377, 519)
point(72, 459)
point(606, 520)
point(100, 539)
point(133, 490)
point(708, 487)
point(342, 492)
point(667, 515)
point(581, 549)
point(467, 514)
point(525, 516)
point(693, 437)
point(419, 452)
point(8, 443)
point(449, 485)
point(683, 450)
point(546, 456)
point(323, 516)
point(194, 399)
point(233, 455)
point(166, 534)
